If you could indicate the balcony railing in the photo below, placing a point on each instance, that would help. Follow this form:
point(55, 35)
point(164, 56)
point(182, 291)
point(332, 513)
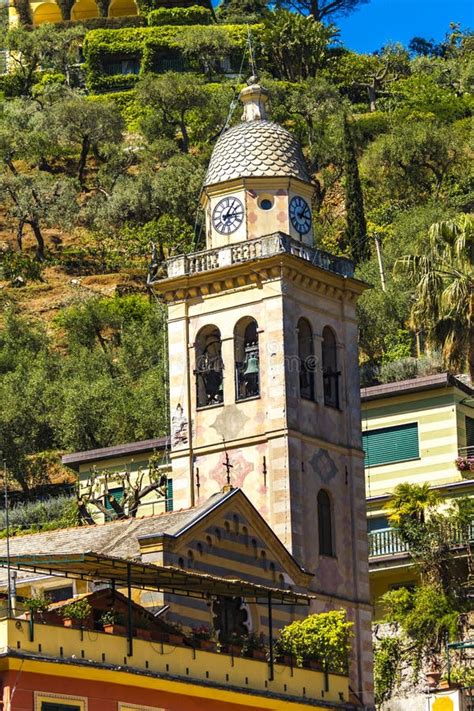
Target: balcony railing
point(267, 246)
point(389, 543)
point(81, 647)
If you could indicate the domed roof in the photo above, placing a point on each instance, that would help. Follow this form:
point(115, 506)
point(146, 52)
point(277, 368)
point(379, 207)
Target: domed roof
point(256, 148)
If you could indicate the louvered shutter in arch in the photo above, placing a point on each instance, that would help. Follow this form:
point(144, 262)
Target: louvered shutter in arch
point(391, 444)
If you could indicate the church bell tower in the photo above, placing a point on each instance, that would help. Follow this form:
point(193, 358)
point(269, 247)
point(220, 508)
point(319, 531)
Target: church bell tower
point(264, 383)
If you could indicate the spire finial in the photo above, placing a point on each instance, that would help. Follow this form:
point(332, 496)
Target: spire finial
point(254, 98)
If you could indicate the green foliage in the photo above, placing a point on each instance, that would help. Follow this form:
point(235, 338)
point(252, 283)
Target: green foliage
point(296, 47)
point(37, 603)
point(324, 637)
point(242, 11)
point(426, 615)
point(19, 264)
point(386, 668)
point(406, 368)
point(356, 229)
point(194, 15)
point(79, 610)
point(41, 515)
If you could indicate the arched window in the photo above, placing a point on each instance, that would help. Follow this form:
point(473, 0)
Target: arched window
point(330, 371)
point(325, 524)
point(209, 367)
point(246, 357)
point(306, 359)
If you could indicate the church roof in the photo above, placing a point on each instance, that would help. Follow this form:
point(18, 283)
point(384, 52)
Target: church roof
point(258, 148)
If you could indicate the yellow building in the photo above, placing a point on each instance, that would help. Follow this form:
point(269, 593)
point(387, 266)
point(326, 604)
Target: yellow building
point(50, 11)
point(412, 431)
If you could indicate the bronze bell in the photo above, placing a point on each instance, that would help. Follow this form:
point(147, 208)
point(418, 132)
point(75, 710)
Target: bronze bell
point(252, 366)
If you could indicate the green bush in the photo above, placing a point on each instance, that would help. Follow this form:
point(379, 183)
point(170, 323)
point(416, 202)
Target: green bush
point(194, 15)
point(19, 264)
point(79, 610)
point(151, 45)
point(371, 125)
point(386, 664)
point(126, 102)
point(53, 512)
point(324, 637)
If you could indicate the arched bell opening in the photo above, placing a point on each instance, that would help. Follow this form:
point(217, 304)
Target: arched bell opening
point(331, 372)
point(246, 359)
point(209, 367)
point(306, 359)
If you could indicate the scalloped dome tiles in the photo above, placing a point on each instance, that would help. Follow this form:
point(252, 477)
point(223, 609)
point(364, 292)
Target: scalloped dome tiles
point(256, 149)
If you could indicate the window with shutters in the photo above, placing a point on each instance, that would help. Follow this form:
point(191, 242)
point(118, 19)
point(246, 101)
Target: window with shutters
point(325, 532)
point(391, 444)
point(169, 495)
point(470, 432)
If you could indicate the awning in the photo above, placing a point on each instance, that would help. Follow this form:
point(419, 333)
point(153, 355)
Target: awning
point(148, 576)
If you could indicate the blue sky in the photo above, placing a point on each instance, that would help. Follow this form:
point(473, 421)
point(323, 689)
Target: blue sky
point(382, 21)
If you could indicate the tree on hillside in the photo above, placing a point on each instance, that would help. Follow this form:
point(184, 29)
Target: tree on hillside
point(46, 49)
point(171, 99)
point(322, 10)
point(356, 227)
point(241, 11)
point(297, 47)
point(414, 161)
point(39, 200)
point(444, 295)
point(85, 125)
point(373, 73)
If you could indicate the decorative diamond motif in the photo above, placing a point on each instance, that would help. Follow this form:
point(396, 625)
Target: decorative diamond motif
point(256, 148)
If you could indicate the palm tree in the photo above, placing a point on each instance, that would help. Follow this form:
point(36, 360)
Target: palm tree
point(410, 502)
point(444, 292)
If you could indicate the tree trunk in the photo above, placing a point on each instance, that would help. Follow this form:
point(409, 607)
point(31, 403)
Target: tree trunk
point(19, 234)
point(315, 12)
point(372, 97)
point(34, 224)
point(83, 158)
point(184, 134)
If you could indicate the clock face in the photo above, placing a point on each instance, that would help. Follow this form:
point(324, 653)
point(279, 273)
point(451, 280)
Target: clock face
point(300, 215)
point(228, 215)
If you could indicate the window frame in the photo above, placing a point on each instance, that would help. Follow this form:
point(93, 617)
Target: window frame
point(367, 433)
point(200, 346)
point(240, 346)
point(41, 697)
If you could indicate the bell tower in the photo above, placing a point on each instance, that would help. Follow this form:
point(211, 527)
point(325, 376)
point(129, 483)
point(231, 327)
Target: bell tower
point(264, 384)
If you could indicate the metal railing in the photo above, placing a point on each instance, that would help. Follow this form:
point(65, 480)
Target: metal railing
point(270, 245)
point(467, 452)
point(388, 541)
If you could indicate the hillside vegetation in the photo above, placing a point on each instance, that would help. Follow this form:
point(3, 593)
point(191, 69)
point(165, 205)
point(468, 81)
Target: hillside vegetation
point(88, 181)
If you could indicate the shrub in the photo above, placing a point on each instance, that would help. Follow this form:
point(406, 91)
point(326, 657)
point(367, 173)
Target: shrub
point(323, 637)
point(51, 513)
point(19, 264)
point(194, 15)
point(386, 661)
point(79, 610)
point(37, 603)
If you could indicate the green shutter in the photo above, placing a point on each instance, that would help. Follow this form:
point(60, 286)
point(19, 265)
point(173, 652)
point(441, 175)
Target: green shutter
point(169, 495)
point(117, 494)
point(391, 444)
point(469, 432)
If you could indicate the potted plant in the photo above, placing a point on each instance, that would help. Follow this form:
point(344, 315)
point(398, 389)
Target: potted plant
point(254, 646)
point(76, 613)
point(204, 638)
point(36, 605)
point(112, 622)
point(233, 645)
